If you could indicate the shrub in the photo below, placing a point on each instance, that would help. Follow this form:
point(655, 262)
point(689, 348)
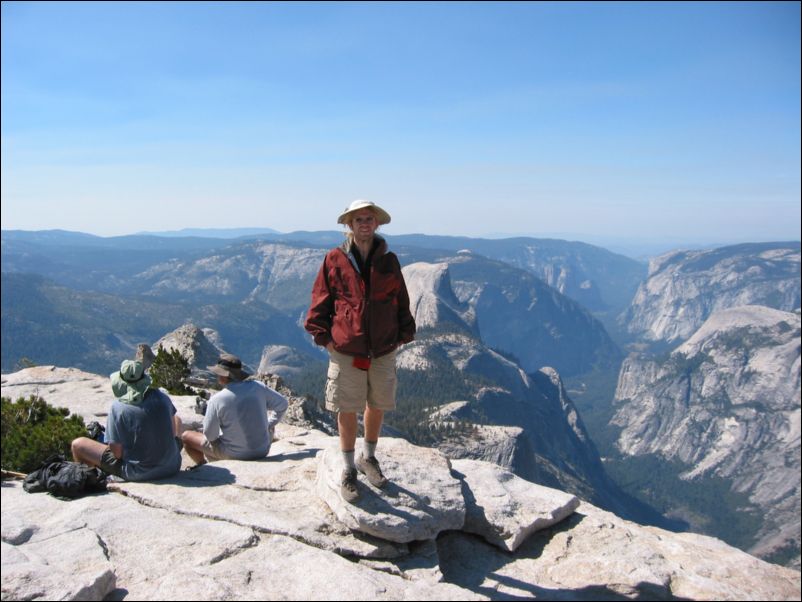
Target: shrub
point(169, 370)
point(32, 430)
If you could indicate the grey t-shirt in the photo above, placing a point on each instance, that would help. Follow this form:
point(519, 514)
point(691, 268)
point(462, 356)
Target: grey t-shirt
point(238, 418)
point(146, 434)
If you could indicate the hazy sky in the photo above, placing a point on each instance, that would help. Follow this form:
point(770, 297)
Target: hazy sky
point(611, 120)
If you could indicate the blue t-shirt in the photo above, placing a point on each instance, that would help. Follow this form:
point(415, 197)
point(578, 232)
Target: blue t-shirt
point(146, 434)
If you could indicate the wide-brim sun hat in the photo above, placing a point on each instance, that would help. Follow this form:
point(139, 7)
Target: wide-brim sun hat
point(381, 215)
point(229, 366)
point(130, 383)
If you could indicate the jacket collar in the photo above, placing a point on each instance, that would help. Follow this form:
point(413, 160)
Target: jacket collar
point(381, 249)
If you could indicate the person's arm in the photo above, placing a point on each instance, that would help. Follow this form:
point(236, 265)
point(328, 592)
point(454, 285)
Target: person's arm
point(178, 426)
point(321, 309)
point(276, 407)
point(113, 426)
point(211, 421)
point(406, 321)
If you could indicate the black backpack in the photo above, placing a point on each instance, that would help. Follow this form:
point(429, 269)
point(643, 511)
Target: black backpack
point(96, 431)
point(65, 479)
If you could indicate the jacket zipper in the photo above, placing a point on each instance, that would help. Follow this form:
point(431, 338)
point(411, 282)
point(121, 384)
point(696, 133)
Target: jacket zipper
point(365, 296)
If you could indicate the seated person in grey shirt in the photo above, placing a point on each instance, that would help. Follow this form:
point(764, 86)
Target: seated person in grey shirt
point(140, 430)
point(239, 420)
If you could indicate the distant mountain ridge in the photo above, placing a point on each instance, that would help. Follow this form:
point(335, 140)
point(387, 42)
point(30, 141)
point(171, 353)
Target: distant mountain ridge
point(212, 232)
point(204, 272)
point(597, 278)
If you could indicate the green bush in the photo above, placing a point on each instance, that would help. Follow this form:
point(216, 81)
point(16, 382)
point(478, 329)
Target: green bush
point(32, 430)
point(169, 370)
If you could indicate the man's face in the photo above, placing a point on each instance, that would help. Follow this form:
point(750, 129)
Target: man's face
point(364, 224)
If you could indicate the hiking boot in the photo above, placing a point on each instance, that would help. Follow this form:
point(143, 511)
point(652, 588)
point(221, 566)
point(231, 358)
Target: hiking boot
point(348, 485)
point(370, 468)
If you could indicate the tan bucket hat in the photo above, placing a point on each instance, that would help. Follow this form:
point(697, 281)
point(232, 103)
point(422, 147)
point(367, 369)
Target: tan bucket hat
point(381, 214)
point(229, 366)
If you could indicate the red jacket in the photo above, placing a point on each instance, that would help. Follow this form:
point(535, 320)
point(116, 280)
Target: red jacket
point(342, 313)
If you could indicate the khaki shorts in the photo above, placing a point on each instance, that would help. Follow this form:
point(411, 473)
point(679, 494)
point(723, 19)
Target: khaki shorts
point(214, 451)
point(349, 389)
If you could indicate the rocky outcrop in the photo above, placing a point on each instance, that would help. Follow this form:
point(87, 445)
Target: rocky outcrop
point(505, 509)
point(196, 346)
point(594, 555)
point(246, 530)
point(505, 446)
point(684, 288)
point(421, 500)
point(726, 403)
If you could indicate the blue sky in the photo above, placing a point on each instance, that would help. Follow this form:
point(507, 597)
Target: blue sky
point(653, 121)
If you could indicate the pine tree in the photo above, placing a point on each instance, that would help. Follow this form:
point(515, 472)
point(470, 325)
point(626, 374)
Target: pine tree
point(169, 370)
point(32, 430)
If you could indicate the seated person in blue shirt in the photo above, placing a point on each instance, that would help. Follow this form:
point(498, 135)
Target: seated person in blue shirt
point(141, 430)
point(239, 420)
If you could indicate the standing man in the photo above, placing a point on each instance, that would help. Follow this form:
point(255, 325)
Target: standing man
point(239, 420)
point(360, 314)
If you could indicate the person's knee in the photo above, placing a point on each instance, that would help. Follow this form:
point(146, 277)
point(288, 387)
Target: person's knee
point(77, 446)
point(346, 417)
point(192, 440)
point(74, 446)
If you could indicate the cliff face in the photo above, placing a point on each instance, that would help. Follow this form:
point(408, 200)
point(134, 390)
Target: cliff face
point(550, 444)
point(595, 277)
point(685, 287)
point(726, 402)
point(276, 274)
point(520, 314)
point(440, 531)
